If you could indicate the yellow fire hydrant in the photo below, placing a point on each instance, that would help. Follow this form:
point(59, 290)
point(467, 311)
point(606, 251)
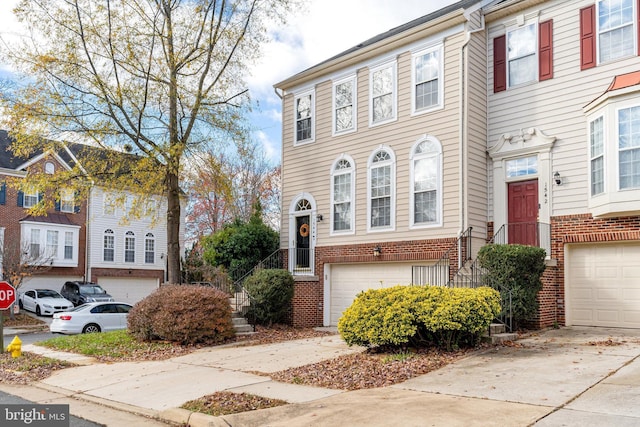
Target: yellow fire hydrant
point(15, 347)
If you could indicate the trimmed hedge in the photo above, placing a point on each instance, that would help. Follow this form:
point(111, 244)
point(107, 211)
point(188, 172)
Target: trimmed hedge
point(515, 268)
point(271, 293)
point(184, 314)
point(419, 315)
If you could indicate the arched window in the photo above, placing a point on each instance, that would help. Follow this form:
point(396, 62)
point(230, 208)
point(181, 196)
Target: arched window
point(149, 248)
point(426, 182)
point(108, 246)
point(381, 190)
point(129, 247)
point(342, 195)
point(49, 168)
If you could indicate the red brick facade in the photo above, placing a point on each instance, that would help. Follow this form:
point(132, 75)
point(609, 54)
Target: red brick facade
point(308, 300)
point(11, 214)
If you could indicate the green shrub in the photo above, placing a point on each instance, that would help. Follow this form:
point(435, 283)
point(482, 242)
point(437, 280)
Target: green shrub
point(183, 314)
point(418, 315)
point(271, 292)
point(517, 269)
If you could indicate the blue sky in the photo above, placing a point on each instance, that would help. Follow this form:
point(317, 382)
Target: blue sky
point(321, 30)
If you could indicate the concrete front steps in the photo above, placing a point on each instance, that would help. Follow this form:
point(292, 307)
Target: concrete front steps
point(497, 334)
point(240, 324)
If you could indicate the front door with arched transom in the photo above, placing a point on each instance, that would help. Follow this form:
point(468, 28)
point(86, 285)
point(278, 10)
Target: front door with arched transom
point(303, 227)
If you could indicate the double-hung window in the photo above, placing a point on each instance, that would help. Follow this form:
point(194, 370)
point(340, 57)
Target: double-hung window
point(383, 95)
point(52, 244)
point(31, 198)
point(596, 149)
point(344, 105)
point(68, 245)
point(427, 79)
point(130, 247)
point(34, 244)
point(108, 246)
point(426, 173)
point(524, 54)
point(149, 249)
point(608, 31)
point(629, 147)
point(304, 106)
point(381, 190)
point(342, 195)
point(67, 200)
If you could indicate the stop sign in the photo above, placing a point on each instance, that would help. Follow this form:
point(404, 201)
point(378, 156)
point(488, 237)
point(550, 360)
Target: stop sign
point(7, 295)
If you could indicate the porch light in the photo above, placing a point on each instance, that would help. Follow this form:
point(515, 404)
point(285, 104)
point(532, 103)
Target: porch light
point(319, 217)
point(377, 251)
point(557, 178)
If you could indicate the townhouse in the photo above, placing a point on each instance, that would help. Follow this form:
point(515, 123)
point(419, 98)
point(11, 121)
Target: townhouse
point(507, 121)
point(94, 239)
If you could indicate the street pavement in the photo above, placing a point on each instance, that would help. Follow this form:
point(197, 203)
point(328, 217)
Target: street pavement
point(569, 376)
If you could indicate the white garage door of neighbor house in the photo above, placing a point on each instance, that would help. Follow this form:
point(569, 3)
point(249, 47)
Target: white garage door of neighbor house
point(602, 285)
point(348, 280)
point(128, 290)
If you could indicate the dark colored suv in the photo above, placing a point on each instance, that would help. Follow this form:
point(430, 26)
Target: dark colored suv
point(83, 292)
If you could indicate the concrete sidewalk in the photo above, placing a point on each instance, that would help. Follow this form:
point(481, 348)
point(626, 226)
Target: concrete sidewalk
point(570, 376)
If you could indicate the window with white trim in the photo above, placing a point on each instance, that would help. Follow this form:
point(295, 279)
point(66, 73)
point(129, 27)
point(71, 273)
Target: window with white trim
point(108, 246)
point(522, 54)
point(49, 168)
point(629, 147)
point(67, 200)
point(342, 195)
point(383, 93)
point(304, 106)
point(109, 205)
point(34, 244)
point(427, 79)
point(130, 247)
point(52, 244)
point(149, 248)
point(31, 197)
point(381, 190)
point(521, 166)
point(344, 105)
point(68, 245)
point(596, 161)
point(426, 179)
point(616, 29)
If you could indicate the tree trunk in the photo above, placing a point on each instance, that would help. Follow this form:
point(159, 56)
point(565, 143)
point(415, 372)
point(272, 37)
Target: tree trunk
point(173, 229)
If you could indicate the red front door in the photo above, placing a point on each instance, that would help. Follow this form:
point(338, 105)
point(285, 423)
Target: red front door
point(523, 212)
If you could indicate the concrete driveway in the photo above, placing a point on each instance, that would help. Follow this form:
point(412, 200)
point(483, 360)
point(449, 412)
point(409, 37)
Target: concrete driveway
point(568, 377)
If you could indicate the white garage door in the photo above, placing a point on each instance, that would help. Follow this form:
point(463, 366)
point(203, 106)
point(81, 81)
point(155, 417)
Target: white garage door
point(602, 285)
point(127, 289)
point(347, 280)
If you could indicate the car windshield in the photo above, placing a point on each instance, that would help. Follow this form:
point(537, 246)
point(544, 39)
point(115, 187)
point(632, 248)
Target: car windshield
point(91, 289)
point(48, 294)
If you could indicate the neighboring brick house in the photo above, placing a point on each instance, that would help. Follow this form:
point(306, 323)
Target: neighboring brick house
point(82, 239)
point(514, 117)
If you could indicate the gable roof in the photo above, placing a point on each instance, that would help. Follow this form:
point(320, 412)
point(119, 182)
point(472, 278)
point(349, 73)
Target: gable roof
point(394, 32)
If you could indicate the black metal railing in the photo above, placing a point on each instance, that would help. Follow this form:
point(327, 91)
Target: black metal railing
point(301, 260)
point(530, 233)
point(243, 301)
point(439, 273)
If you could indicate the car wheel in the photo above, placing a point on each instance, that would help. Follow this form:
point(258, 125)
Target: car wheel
point(91, 328)
point(38, 312)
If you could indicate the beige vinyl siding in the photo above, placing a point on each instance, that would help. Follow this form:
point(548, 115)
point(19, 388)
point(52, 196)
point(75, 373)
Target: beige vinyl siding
point(307, 167)
point(476, 121)
point(555, 106)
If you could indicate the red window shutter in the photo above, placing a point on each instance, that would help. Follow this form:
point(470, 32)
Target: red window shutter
point(545, 50)
point(500, 63)
point(588, 37)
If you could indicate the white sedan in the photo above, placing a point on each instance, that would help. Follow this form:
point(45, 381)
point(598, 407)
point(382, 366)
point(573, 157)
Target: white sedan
point(91, 317)
point(44, 302)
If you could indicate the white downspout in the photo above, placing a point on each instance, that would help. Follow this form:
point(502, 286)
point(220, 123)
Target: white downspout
point(462, 128)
